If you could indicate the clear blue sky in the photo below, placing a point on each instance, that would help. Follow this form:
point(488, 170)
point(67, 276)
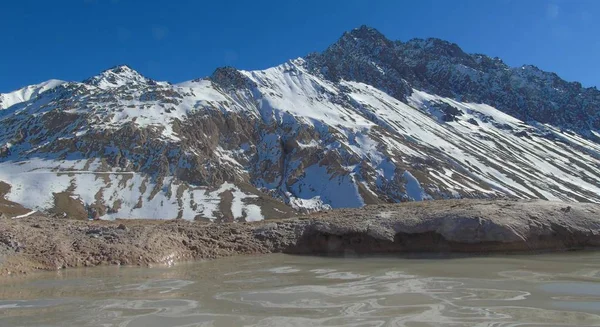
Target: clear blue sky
point(181, 40)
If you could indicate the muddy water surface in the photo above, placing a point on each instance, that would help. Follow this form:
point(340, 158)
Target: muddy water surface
point(281, 290)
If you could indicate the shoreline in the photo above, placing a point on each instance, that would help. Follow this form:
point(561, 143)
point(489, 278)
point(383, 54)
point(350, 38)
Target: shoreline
point(447, 227)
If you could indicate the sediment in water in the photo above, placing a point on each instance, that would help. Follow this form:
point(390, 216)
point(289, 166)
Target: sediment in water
point(466, 226)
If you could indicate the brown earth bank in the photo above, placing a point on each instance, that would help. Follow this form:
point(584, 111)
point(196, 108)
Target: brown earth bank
point(466, 226)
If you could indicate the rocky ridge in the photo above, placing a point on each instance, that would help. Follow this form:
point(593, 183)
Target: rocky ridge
point(443, 68)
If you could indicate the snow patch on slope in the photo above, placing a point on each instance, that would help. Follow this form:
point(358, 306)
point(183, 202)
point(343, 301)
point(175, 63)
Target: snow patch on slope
point(34, 183)
point(290, 89)
point(333, 189)
point(414, 191)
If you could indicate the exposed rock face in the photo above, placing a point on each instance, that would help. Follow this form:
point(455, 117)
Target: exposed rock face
point(455, 226)
point(470, 226)
point(367, 121)
point(359, 55)
point(443, 68)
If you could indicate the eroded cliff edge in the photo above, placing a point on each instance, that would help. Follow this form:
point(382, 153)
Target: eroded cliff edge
point(468, 226)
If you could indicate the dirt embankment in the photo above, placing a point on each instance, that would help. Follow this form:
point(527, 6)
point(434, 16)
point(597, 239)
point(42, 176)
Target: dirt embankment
point(471, 226)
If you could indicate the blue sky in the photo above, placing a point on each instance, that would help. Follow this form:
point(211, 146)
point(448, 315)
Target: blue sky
point(181, 40)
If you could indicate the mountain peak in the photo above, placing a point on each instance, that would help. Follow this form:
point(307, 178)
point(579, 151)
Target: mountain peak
point(118, 76)
point(363, 55)
point(365, 31)
point(364, 39)
point(121, 69)
point(362, 34)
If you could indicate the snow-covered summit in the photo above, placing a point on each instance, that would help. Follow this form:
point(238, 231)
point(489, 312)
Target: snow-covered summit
point(118, 76)
point(26, 93)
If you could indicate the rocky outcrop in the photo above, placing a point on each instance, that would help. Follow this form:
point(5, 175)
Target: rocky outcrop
point(468, 226)
point(455, 226)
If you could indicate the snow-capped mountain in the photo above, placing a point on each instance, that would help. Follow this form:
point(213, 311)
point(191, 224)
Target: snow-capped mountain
point(26, 93)
point(367, 121)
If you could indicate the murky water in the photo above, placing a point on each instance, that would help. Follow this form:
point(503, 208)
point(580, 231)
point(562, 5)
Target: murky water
point(280, 290)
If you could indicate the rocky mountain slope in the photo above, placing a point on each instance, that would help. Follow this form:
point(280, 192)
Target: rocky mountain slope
point(367, 121)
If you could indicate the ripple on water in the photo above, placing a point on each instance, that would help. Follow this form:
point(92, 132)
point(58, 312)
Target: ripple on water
point(38, 303)
point(301, 291)
point(159, 285)
point(283, 270)
point(524, 275)
point(342, 275)
point(322, 271)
